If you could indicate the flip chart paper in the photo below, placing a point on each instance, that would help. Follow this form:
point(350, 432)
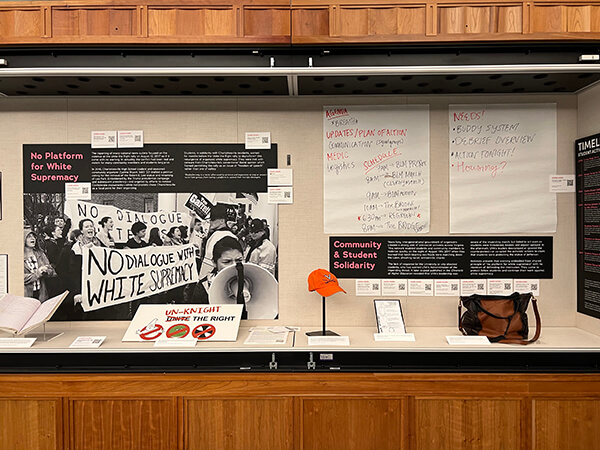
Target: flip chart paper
point(376, 169)
point(500, 159)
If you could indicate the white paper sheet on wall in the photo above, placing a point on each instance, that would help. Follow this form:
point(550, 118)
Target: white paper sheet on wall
point(376, 169)
point(500, 160)
point(3, 274)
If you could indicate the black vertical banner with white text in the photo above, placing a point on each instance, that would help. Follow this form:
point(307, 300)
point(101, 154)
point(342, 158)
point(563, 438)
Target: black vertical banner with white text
point(587, 151)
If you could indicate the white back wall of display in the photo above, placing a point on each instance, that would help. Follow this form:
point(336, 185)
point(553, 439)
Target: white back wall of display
point(296, 125)
point(588, 124)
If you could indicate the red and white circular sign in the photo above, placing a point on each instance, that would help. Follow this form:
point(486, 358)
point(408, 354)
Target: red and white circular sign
point(149, 334)
point(204, 331)
point(179, 330)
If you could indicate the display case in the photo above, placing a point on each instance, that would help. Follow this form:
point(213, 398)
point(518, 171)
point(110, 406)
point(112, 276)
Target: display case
point(421, 394)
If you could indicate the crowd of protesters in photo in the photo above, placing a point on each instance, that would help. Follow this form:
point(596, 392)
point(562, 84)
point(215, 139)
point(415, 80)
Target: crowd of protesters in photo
point(53, 250)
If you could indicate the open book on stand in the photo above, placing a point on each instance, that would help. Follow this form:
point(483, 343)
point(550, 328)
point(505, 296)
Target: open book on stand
point(18, 315)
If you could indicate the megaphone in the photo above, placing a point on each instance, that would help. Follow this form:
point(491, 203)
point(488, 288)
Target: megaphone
point(261, 291)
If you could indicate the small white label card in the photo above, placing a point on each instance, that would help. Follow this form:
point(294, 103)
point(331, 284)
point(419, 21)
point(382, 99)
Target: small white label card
point(470, 287)
point(420, 288)
point(447, 288)
point(394, 287)
point(131, 139)
point(389, 337)
point(266, 336)
point(280, 195)
point(258, 140)
point(328, 340)
point(468, 340)
point(389, 316)
point(368, 287)
point(87, 342)
point(500, 287)
point(16, 342)
point(524, 286)
point(562, 183)
point(104, 139)
point(78, 191)
point(175, 342)
point(279, 177)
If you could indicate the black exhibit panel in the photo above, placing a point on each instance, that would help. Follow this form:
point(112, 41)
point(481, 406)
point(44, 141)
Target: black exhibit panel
point(441, 257)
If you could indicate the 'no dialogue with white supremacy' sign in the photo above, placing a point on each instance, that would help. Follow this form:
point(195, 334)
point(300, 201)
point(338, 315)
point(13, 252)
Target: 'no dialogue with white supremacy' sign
point(124, 218)
point(111, 276)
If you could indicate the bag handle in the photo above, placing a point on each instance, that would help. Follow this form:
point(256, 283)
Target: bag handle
point(538, 327)
point(462, 330)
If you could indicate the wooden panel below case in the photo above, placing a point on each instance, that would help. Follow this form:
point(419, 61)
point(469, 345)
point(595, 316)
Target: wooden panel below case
point(300, 411)
point(100, 424)
point(30, 424)
point(361, 423)
point(563, 424)
point(244, 424)
point(481, 423)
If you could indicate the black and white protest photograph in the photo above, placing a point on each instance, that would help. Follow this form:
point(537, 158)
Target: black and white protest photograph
point(119, 246)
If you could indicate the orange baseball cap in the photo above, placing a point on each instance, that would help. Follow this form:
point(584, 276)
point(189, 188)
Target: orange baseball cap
point(324, 282)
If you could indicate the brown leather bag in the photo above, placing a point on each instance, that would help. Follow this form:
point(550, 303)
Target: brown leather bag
point(502, 318)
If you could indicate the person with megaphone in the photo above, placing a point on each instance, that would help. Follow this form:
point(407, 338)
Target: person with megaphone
point(261, 250)
point(226, 252)
point(218, 229)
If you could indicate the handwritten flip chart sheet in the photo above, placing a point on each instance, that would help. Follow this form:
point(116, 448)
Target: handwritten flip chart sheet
point(376, 169)
point(500, 159)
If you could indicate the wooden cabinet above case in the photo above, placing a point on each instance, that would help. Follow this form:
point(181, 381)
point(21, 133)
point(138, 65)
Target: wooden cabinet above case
point(277, 22)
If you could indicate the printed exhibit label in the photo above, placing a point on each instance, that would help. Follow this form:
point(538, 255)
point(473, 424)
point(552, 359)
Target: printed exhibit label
point(587, 151)
point(441, 257)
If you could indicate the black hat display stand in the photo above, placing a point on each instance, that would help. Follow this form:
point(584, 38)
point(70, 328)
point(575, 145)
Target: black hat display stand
point(323, 332)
